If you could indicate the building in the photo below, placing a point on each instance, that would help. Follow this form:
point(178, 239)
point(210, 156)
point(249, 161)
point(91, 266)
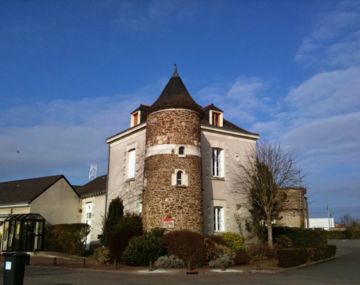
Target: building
point(92, 199)
point(22, 201)
point(322, 223)
point(295, 211)
point(178, 165)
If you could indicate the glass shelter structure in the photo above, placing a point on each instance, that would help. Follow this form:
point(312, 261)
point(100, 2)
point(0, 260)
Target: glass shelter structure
point(23, 232)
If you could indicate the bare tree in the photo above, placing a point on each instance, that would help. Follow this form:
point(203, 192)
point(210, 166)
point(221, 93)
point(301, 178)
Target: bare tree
point(263, 176)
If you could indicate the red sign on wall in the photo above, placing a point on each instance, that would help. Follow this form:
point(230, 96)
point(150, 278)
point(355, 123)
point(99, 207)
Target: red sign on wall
point(168, 223)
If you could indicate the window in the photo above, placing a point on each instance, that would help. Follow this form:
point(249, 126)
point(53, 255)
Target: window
point(217, 162)
point(219, 219)
point(88, 213)
point(179, 178)
point(181, 150)
point(135, 119)
point(179, 175)
point(216, 118)
point(131, 163)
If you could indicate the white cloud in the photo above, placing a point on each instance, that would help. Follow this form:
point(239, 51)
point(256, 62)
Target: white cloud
point(334, 40)
point(327, 93)
point(241, 99)
point(62, 137)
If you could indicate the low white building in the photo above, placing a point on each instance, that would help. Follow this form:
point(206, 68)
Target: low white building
point(321, 223)
point(92, 198)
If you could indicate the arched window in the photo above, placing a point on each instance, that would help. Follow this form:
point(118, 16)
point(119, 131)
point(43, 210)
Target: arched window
point(179, 176)
point(181, 150)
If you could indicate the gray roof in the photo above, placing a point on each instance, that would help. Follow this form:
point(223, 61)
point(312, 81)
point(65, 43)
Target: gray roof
point(93, 188)
point(26, 190)
point(175, 95)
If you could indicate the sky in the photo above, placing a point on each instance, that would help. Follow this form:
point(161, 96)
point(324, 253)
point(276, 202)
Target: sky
point(72, 71)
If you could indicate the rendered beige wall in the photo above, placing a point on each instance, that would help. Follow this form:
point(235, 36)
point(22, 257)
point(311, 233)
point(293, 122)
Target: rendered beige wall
point(98, 212)
point(129, 190)
point(226, 192)
point(59, 204)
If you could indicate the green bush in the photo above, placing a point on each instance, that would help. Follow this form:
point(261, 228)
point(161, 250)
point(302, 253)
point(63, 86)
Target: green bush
point(128, 227)
point(101, 254)
point(302, 237)
point(233, 241)
point(114, 215)
point(67, 238)
point(143, 249)
point(187, 245)
point(289, 257)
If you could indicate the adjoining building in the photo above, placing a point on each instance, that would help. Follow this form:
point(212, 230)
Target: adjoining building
point(178, 165)
point(92, 198)
point(295, 211)
point(22, 202)
point(322, 223)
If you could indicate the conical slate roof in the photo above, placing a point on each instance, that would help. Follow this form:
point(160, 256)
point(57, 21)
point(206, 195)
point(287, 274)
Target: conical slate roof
point(175, 95)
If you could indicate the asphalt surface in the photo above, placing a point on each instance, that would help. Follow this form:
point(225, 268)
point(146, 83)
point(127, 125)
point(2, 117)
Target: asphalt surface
point(345, 269)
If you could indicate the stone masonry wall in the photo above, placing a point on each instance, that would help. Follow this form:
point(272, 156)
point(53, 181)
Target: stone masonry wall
point(160, 198)
point(173, 126)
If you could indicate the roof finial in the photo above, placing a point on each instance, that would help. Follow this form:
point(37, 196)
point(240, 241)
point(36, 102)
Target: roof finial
point(175, 74)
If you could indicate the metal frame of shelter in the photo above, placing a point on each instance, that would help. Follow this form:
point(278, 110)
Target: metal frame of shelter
point(23, 232)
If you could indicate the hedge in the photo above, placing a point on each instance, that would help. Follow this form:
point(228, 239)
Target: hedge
point(67, 238)
point(289, 257)
point(301, 237)
point(347, 234)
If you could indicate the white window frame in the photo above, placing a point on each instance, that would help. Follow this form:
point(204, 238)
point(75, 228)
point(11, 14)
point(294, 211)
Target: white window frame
point(219, 219)
point(217, 162)
point(220, 121)
point(131, 163)
point(179, 180)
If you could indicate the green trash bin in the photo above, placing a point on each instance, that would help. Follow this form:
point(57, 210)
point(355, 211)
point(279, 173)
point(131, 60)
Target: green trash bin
point(14, 267)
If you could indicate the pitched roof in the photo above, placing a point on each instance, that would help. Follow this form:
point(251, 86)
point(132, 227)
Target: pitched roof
point(94, 187)
point(175, 95)
point(26, 190)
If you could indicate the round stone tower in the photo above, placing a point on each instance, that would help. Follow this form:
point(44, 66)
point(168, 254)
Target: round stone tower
point(172, 197)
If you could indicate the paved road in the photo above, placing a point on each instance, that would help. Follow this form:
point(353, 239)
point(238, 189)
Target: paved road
point(342, 270)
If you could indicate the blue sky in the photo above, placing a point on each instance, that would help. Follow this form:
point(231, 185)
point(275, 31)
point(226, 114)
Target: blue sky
point(71, 71)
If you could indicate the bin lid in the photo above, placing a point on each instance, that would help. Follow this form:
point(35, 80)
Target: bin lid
point(16, 254)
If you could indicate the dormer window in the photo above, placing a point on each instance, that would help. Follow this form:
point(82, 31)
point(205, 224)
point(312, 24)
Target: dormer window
point(215, 118)
point(135, 118)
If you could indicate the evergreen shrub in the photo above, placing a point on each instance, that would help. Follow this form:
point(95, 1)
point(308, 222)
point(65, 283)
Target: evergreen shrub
point(128, 227)
point(143, 249)
point(101, 254)
point(114, 215)
point(67, 238)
